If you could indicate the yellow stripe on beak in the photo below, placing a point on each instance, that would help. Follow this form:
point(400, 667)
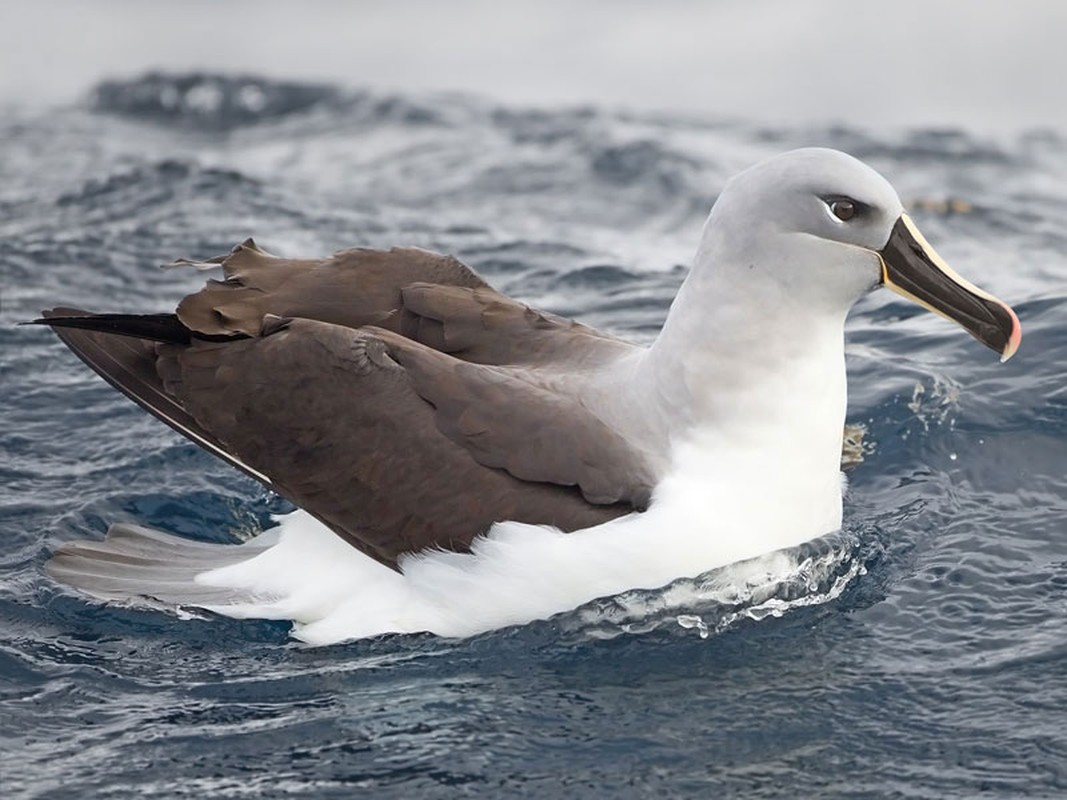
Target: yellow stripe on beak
point(913, 269)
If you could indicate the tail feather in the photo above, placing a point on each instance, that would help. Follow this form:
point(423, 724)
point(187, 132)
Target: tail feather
point(142, 566)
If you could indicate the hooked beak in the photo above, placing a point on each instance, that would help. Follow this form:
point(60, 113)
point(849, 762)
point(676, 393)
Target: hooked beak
point(912, 268)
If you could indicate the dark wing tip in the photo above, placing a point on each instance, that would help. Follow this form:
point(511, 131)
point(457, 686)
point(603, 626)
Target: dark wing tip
point(54, 317)
point(50, 315)
point(165, 328)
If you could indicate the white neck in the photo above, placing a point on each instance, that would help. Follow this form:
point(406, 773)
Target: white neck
point(750, 398)
point(746, 371)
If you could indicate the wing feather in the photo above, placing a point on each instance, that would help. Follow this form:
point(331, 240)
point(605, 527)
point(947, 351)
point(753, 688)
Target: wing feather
point(336, 423)
point(392, 394)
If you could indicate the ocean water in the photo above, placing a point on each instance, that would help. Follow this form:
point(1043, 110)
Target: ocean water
point(920, 652)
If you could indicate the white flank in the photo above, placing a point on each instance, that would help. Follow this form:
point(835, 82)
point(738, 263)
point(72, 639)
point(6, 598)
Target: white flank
point(704, 516)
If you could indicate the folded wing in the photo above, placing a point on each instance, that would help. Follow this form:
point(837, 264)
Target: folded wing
point(392, 394)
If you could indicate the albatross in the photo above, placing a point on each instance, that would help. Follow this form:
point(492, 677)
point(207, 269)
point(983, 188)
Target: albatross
point(462, 462)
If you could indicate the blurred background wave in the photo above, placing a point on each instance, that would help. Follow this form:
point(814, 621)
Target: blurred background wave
point(987, 66)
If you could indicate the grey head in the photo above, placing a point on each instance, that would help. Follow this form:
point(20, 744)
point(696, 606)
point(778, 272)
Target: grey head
point(816, 229)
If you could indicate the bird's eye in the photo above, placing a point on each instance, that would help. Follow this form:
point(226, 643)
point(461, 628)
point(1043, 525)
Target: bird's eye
point(844, 210)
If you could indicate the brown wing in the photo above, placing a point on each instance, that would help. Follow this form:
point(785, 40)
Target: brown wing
point(337, 425)
point(351, 288)
point(511, 418)
point(426, 447)
point(428, 297)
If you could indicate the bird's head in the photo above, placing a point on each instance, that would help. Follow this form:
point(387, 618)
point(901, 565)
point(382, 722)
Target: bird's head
point(820, 228)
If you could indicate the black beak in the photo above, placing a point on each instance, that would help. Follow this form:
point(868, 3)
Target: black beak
point(912, 268)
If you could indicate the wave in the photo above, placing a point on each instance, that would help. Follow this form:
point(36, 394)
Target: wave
point(152, 178)
point(211, 100)
point(220, 102)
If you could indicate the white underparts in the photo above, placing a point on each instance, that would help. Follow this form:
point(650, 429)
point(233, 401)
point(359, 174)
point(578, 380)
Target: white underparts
point(714, 508)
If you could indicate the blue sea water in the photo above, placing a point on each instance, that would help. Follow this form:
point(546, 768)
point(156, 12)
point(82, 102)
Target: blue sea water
point(923, 655)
